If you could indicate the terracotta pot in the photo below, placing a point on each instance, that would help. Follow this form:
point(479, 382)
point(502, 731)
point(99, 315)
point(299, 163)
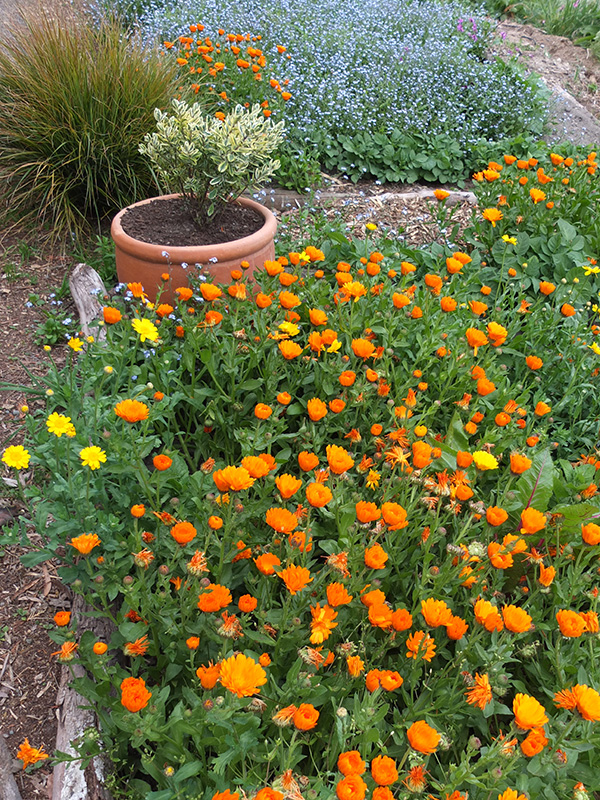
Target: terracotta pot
point(141, 262)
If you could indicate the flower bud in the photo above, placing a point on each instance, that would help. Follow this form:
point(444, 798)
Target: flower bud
point(127, 580)
point(163, 569)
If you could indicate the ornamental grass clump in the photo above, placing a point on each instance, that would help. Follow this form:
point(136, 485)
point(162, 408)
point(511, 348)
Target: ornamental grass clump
point(210, 160)
point(395, 594)
point(75, 100)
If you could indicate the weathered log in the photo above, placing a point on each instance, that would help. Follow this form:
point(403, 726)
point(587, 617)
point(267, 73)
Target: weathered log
point(87, 290)
point(70, 781)
point(8, 786)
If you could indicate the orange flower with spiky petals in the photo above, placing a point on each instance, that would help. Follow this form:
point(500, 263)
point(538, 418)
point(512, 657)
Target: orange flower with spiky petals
point(481, 693)
point(241, 675)
point(85, 542)
point(30, 755)
point(416, 781)
point(295, 578)
point(137, 648)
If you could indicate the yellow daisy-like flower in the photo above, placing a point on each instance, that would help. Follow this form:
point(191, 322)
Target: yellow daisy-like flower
point(16, 457)
point(509, 239)
point(92, 457)
point(289, 328)
point(484, 461)
point(59, 424)
point(75, 344)
point(370, 226)
point(595, 347)
point(334, 346)
point(146, 329)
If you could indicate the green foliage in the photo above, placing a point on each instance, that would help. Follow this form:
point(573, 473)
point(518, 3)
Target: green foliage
point(75, 101)
point(299, 166)
point(578, 20)
point(211, 161)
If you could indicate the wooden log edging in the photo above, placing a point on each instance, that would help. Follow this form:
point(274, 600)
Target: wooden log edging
point(70, 782)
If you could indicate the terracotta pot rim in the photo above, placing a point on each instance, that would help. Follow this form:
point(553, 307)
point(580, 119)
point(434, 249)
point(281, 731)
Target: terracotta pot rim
point(195, 253)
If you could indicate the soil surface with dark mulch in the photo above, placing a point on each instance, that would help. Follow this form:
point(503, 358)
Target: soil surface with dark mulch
point(167, 222)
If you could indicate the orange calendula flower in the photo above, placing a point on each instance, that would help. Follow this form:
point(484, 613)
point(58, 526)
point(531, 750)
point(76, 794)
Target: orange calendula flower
point(384, 771)
point(423, 737)
point(375, 557)
point(241, 675)
point(85, 543)
point(183, 532)
point(287, 485)
point(267, 562)
point(420, 645)
point(339, 459)
point(306, 717)
point(62, 618)
point(363, 348)
point(590, 533)
point(337, 595)
point(30, 755)
point(318, 495)
point(322, 623)
point(316, 409)
point(281, 520)
point(289, 350)
point(134, 695)
point(132, 410)
point(516, 619)
point(519, 464)
point(435, 612)
point(209, 675)
point(532, 521)
point(351, 763)
point(481, 693)
point(394, 516)
point(492, 215)
point(534, 742)
point(529, 712)
point(571, 624)
point(214, 598)
point(295, 578)
point(367, 512)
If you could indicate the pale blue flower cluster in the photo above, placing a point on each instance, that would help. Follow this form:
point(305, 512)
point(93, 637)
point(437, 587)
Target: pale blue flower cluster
point(371, 65)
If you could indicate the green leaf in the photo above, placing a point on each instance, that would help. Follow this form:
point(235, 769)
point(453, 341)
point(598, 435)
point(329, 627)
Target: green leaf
point(456, 438)
point(534, 487)
point(567, 230)
point(187, 771)
point(34, 558)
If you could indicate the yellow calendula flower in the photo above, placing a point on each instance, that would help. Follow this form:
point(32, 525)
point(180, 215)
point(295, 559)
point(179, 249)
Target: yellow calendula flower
point(589, 270)
point(289, 329)
point(92, 457)
point(75, 344)
point(484, 461)
point(146, 329)
point(373, 479)
point(58, 424)
point(334, 346)
point(16, 457)
point(304, 256)
point(370, 226)
point(595, 347)
point(509, 239)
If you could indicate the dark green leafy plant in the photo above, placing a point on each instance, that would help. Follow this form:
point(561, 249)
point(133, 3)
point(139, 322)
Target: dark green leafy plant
point(75, 101)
